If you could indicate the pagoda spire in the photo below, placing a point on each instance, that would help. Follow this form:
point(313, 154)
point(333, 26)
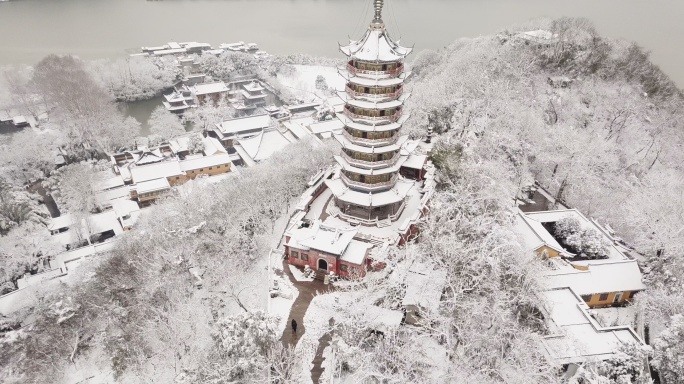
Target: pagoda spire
point(378, 10)
point(377, 20)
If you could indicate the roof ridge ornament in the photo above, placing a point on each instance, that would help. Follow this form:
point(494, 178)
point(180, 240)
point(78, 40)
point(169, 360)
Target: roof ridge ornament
point(377, 22)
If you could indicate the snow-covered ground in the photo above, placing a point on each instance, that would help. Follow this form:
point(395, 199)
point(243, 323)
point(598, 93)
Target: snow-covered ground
point(615, 316)
point(299, 275)
point(280, 306)
point(303, 81)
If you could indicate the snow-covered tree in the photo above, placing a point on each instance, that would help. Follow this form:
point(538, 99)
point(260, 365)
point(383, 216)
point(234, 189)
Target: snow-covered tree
point(134, 78)
point(205, 116)
point(668, 356)
point(242, 344)
point(164, 125)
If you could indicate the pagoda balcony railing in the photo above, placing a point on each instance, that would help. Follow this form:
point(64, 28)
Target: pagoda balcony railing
point(375, 96)
point(368, 186)
point(370, 164)
point(368, 142)
point(334, 211)
point(391, 72)
point(393, 118)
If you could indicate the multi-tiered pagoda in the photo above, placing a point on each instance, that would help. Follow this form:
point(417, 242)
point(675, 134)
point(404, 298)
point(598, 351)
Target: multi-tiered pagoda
point(367, 189)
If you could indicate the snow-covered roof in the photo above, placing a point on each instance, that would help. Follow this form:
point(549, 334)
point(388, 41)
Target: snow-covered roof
point(254, 86)
point(379, 82)
point(534, 235)
point(209, 88)
point(371, 149)
point(374, 126)
point(380, 104)
point(318, 236)
point(179, 144)
point(356, 252)
point(149, 156)
point(333, 125)
point(376, 45)
point(534, 218)
point(205, 162)
point(194, 44)
point(363, 199)
point(251, 96)
point(105, 197)
point(620, 276)
point(415, 161)
point(154, 171)
point(383, 170)
point(244, 124)
point(174, 51)
point(124, 207)
point(59, 222)
point(296, 128)
point(104, 222)
point(575, 336)
point(174, 97)
point(154, 185)
point(212, 146)
point(108, 181)
point(263, 145)
point(424, 287)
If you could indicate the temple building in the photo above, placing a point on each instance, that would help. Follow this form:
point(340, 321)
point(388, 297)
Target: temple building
point(381, 183)
point(367, 188)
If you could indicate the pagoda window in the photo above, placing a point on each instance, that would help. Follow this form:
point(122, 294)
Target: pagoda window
point(366, 90)
point(384, 67)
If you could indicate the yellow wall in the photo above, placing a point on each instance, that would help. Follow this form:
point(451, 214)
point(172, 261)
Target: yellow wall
point(596, 301)
point(215, 170)
point(549, 252)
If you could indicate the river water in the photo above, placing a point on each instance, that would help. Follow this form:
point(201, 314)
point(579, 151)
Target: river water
point(30, 29)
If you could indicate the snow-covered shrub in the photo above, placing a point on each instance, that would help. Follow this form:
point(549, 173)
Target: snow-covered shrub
point(308, 272)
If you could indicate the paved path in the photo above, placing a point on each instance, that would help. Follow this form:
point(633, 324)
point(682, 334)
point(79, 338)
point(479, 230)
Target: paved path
point(307, 291)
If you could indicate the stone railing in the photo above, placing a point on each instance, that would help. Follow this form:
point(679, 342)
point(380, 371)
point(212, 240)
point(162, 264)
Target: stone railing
point(367, 142)
point(367, 186)
point(393, 118)
point(380, 96)
point(334, 211)
point(370, 164)
point(392, 72)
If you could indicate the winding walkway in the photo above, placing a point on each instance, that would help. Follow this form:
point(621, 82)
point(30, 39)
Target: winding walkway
point(307, 291)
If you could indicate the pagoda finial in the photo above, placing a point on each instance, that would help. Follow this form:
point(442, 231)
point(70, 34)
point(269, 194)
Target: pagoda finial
point(377, 20)
point(378, 10)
